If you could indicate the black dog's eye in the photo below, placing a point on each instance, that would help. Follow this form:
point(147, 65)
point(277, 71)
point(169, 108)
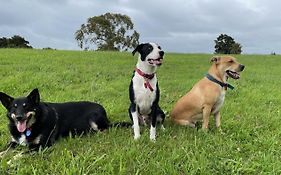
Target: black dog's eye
point(15, 105)
point(24, 105)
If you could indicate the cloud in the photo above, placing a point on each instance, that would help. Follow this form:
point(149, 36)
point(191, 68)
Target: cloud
point(179, 26)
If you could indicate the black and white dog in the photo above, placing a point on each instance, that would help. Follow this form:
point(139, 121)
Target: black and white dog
point(144, 91)
point(34, 123)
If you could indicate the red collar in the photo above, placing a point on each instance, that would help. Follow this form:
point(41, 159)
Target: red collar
point(146, 78)
point(141, 73)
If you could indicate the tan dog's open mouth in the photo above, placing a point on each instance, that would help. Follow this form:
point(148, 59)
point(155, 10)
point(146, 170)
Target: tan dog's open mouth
point(232, 74)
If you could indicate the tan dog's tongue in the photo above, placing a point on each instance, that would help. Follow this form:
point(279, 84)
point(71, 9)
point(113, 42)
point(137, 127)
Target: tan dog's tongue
point(21, 126)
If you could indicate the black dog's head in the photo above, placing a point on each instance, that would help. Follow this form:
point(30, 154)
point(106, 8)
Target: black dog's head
point(150, 53)
point(21, 111)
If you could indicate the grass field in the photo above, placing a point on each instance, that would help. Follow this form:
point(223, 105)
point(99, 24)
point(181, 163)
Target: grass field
point(250, 142)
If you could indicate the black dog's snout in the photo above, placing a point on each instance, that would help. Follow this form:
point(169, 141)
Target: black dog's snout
point(19, 117)
point(242, 67)
point(161, 53)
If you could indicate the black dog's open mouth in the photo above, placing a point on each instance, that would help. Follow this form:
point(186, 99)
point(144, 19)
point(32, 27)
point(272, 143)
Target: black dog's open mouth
point(157, 61)
point(232, 74)
point(22, 124)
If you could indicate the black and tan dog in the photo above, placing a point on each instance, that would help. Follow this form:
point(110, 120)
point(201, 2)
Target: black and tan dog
point(207, 96)
point(34, 123)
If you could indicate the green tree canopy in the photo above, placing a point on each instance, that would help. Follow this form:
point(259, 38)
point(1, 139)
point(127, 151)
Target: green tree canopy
point(107, 32)
point(14, 42)
point(225, 44)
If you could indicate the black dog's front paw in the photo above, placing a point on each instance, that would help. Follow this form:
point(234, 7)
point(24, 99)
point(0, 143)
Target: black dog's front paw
point(12, 145)
point(34, 147)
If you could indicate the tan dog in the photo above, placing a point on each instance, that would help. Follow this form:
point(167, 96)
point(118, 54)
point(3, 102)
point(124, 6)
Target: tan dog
point(207, 96)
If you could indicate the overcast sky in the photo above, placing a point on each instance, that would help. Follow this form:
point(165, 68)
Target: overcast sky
point(177, 25)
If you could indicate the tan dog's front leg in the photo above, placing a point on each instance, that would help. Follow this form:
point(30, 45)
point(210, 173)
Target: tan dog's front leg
point(206, 116)
point(218, 122)
point(218, 119)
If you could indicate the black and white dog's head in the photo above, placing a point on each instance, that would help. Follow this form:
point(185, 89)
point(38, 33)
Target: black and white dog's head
point(150, 53)
point(21, 111)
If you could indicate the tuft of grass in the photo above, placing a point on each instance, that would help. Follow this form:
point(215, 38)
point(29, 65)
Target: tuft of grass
point(249, 144)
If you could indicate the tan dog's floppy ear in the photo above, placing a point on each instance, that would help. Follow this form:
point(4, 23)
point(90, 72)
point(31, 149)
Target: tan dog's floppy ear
point(215, 59)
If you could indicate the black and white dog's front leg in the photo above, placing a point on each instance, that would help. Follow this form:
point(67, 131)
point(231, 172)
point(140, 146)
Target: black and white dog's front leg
point(135, 117)
point(153, 123)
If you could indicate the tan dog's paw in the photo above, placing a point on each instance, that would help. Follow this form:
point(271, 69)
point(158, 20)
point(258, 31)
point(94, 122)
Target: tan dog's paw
point(220, 131)
point(203, 131)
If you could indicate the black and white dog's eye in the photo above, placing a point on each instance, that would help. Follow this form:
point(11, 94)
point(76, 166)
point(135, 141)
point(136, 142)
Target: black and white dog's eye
point(159, 47)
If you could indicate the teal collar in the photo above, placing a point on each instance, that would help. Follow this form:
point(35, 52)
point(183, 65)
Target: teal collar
point(224, 85)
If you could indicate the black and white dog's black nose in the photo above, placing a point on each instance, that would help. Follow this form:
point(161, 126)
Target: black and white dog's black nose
point(161, 53)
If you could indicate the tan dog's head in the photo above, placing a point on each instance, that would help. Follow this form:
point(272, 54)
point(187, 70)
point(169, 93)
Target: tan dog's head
point(228, 65)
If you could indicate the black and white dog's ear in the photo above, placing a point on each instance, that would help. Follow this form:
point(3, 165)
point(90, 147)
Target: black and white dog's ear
point(34, 96)
point(6, 100)
point(138, 49)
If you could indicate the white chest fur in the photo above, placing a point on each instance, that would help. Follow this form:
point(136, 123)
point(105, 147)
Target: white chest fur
point(22, 140)
point(219, 102)
point(144, 97)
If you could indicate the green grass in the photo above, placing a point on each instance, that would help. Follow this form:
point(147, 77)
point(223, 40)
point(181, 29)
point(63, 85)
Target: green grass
point(250, 116)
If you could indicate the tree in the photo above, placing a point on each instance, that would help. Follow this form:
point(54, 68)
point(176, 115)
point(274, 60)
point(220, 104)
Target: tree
point(108, 32)
point(236, 48)
point(18, 42)
point(15, 42)
point(225, 44)
point(3, 42)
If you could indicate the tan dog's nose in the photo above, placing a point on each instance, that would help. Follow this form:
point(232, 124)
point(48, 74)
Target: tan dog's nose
point(241, 66)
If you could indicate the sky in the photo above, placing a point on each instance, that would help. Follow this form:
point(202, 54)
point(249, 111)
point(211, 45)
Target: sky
point(185, 26)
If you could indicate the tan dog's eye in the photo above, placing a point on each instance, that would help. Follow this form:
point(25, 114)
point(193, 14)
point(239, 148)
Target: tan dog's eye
point(230, 61)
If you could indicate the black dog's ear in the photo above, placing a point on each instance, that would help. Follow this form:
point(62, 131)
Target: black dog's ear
point(34, 96)
point(138, 49)
point(215, 59)
point(6, 100)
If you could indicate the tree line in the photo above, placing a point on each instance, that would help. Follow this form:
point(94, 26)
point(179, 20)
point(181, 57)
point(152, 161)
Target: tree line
point(116, 32)
point(15, 41)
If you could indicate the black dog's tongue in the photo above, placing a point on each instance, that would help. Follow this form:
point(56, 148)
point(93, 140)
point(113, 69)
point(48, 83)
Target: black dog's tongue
point(21, 126)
